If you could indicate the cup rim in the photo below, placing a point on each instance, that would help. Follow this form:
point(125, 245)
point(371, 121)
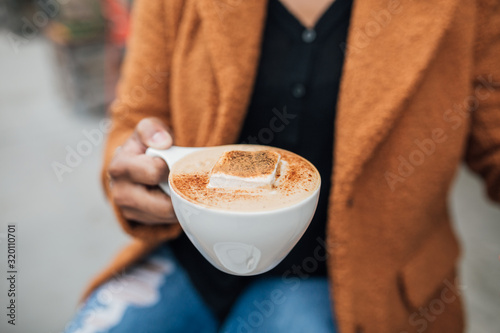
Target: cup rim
point(239, 212)
point(263, 212)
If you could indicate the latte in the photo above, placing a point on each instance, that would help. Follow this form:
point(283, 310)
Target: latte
point(245, 178)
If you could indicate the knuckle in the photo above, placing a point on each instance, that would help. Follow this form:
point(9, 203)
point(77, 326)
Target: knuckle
point(127, 214)
point(115, 168)
point(152, 176)
point(121, 198)
point(155, 172)
point(116, 197)
point(145, 124)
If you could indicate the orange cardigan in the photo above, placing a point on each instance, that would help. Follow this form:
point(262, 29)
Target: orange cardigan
point(420, 92)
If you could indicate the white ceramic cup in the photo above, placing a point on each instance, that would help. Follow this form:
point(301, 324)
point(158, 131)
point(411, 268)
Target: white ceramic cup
point(238, 243)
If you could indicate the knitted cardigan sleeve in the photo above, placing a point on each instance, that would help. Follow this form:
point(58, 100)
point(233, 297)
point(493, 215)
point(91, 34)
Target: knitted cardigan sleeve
point(143, 91)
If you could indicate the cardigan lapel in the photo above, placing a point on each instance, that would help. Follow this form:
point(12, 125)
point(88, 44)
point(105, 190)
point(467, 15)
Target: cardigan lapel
point(389, 48)
point(390, 44)
point(233, 31)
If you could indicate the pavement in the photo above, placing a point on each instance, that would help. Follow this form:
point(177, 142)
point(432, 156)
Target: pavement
point(65, 231)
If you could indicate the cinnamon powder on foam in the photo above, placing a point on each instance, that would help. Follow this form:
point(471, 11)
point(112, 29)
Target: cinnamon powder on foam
point(247, 164)
point(193, 186)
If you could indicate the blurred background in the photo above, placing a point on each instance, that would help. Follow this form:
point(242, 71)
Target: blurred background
point(59, 63)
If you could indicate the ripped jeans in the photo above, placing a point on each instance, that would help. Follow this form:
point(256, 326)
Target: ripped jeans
point(157, 296)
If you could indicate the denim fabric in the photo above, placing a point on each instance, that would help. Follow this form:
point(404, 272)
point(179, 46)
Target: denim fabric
point(157, 296)
point(278, 305)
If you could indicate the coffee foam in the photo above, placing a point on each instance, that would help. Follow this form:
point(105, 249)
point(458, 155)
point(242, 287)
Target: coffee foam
point(294, 180)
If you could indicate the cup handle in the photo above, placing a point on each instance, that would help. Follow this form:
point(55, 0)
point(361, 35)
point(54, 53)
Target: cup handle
point(170, 156)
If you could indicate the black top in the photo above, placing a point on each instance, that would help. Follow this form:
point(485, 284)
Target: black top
point(292, 107)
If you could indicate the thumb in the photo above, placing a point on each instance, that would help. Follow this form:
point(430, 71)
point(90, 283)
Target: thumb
point(152, 132)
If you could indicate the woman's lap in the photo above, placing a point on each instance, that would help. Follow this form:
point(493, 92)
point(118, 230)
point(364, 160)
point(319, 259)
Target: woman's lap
point(157, 296)
point(276, 305)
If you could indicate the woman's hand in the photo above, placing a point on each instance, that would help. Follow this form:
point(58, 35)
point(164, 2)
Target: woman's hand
point(134, 176)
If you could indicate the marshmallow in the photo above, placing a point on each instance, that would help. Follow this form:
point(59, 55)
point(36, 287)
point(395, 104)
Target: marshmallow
point(245, 169)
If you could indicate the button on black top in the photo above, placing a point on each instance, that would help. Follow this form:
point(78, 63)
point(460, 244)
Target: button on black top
point(292, 107)
point(309, 35)
point(298, 90)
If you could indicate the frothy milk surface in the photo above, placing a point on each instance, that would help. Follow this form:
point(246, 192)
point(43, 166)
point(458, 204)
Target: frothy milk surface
point(295, 179)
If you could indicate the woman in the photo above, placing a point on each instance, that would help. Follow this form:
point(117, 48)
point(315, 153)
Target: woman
point(418, 90)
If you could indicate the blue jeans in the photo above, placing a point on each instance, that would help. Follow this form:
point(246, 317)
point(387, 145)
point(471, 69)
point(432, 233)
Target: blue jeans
point(157, 296)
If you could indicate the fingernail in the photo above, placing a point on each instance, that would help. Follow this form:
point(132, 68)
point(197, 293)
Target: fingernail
point(161, 139)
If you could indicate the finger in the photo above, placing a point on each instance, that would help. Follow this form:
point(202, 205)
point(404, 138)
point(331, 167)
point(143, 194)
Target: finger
point(152, 132)
point(151, 201)
point(133, 145)
point(141, 169)
point(145, 218)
